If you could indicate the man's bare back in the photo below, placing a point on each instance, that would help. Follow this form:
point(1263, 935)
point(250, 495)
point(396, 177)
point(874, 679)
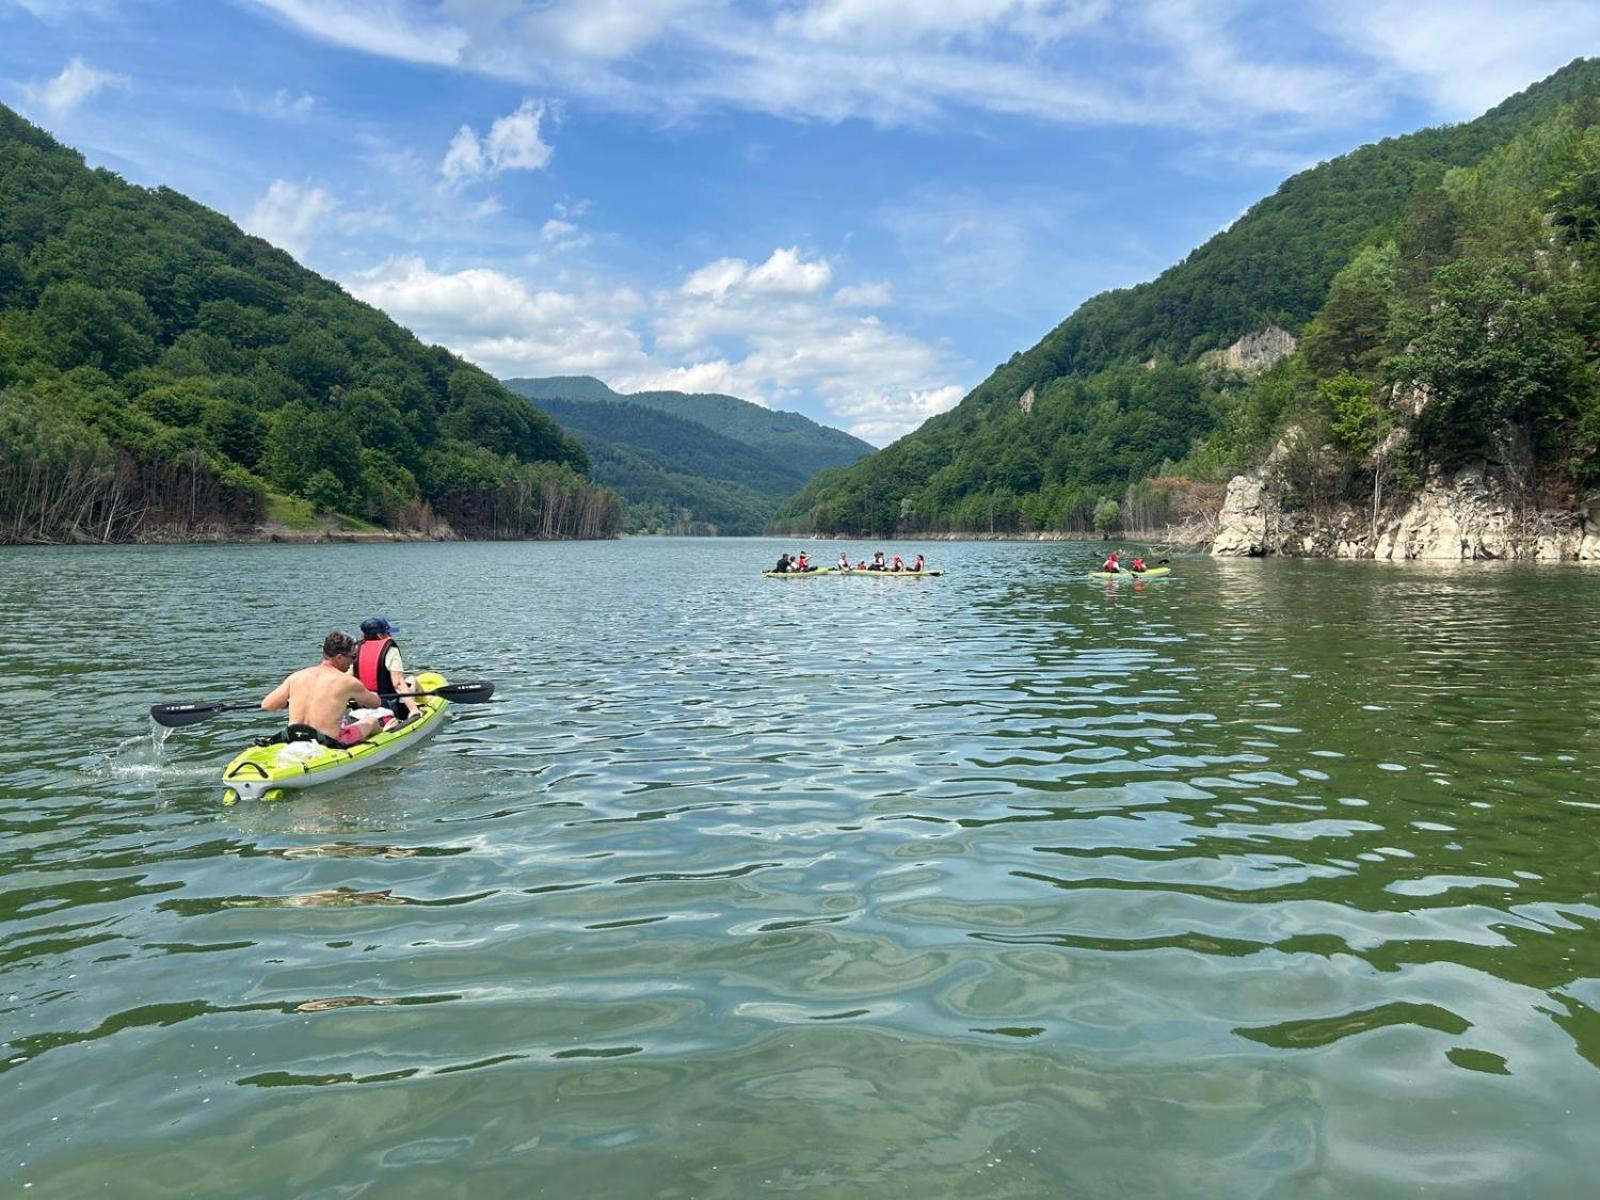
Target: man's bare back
point(318, 696)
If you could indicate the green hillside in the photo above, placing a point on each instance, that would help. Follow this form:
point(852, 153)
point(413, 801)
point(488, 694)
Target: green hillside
point(1361, 257)
point(797, 441)
point(676, 474)
point(691, 463)
point(164, 375)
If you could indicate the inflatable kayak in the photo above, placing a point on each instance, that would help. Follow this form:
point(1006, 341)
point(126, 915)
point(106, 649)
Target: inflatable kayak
point(851, 571)
point(1151, 573)
point(266, 772)
point(888, 574)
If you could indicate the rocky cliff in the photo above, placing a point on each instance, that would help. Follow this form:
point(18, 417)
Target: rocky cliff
point(1253, 353)
point(1473, 513)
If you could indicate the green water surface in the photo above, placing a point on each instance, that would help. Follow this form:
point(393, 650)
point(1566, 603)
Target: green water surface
point(1267, 879)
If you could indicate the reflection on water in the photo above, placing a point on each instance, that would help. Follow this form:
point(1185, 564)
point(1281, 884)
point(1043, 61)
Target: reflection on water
point(1262, 879)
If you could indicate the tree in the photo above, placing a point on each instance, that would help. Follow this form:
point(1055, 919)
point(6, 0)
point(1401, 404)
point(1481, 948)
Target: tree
point(1355, 418)
point(1489, 348)
point(1107, 515)
point(79, 325)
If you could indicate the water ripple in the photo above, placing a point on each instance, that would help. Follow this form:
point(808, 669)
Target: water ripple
point(1264, 879)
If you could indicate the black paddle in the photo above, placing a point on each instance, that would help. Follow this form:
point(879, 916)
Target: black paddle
point(188, 712)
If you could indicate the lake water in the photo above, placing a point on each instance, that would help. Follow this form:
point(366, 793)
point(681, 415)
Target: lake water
point(1267, 879)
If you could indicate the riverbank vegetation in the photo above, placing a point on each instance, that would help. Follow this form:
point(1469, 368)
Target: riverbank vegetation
point(164, 376)
point(1445, 292)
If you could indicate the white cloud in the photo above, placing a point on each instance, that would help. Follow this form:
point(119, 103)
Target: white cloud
point(766, 334)
point(512, 144)
point(718, 376)
point(716, 279)
point(605, 29)
point(561, 234)
point(878, 294)
point(503, 325)
point(779, 348)
point(285, 105)
point(1153, 62)
point(783, 274)
point(290, 216)
point(464, 159)
point(1467, 55)
point(382, 27)
point(894, 22)
point(282, 105)
point(55, 11)
point(77, 82)
point(880, 417)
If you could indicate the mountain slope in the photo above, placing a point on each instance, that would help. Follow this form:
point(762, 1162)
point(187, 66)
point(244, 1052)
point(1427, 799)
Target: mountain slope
point(162, 374)
point(675, 473)
point(1117, 392)
point(691, 463)
point(797, 441)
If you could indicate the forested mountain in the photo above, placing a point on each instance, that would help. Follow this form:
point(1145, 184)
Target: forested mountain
point(164, 375)
point(691, 463)
point(1443, 286)
point(797, 441)
point(676, 475)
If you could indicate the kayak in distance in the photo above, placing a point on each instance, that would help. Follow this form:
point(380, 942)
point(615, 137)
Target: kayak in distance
point(806, 574)
point(1150, 573)
point(267, 772)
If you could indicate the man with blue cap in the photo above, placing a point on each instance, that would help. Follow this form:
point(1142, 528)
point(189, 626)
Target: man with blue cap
point(379, 668)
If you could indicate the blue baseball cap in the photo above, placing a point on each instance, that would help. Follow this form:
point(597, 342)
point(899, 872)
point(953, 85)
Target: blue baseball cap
point(374, 627)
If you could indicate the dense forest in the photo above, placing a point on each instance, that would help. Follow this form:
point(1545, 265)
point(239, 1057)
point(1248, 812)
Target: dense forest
point(165, 376)
point(688, 463)
point(1445, 291)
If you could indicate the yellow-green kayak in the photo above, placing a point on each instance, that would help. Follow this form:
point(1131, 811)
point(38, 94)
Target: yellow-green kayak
point(265, 772)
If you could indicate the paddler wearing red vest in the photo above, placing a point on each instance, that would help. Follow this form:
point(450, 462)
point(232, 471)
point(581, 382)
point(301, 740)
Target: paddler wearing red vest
point(379, 668)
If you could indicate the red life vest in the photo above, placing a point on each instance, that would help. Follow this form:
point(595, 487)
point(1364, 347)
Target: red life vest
point(369, 662)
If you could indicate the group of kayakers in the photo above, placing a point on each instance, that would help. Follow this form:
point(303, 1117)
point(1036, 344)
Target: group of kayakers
point(357, 689)
point(790, 564)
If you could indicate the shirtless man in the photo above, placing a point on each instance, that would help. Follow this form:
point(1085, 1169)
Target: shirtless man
point(318, 696)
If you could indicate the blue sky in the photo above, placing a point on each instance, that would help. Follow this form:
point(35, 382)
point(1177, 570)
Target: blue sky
point(849, 208)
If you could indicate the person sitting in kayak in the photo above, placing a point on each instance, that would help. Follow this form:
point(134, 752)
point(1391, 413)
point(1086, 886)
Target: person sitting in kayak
point(844, 562)
point(783, 565)
point(801, 563)
point(877, 562)
point(916, 564)
point(1137, 565)
point(897, 565)
point(318, 696)
point(380, 669)
point(1114, 563)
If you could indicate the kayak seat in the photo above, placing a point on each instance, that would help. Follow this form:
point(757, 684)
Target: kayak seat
point(297, 732)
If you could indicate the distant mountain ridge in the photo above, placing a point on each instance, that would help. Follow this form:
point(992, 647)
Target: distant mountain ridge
point(691, 462)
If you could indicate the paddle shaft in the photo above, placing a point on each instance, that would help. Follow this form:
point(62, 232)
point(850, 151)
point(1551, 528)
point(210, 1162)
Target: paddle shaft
point(190, 712)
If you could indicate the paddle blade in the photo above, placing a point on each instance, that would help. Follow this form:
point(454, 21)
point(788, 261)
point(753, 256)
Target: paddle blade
point(184, 712)
point(464, 693)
